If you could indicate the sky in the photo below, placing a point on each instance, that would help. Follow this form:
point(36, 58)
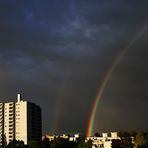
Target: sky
point(56, 53)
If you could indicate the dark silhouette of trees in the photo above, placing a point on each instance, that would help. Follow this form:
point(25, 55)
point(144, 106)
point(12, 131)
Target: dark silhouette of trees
point(46, 143)
point(116, 143)
point(82, 144)
point(97, 135)
point(16, 144)
point(89, 144)
point(126, 139)
point(62, 143)
point(141, 140)
point(124, 134)
point(34, 144)
point(133, 134)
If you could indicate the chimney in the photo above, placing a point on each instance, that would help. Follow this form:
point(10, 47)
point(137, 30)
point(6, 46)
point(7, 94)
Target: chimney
point(18, 97)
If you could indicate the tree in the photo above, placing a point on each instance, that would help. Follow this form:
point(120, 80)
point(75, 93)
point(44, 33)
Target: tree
point(34, 144)
point(139, 139)
point(145, 145)
point(61, 143)
point(88, 144)
point(16, 144)
point(133, 134)
point(97, 135)
point(116, 143)
point(81, 144)
point(46, 143)
point(124, 134)
point(126, 139)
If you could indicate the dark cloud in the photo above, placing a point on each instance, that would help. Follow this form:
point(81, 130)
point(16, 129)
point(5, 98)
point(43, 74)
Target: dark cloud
point(56, 53)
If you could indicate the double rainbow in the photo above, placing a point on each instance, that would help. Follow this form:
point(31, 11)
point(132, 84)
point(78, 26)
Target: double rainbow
point(114, 64)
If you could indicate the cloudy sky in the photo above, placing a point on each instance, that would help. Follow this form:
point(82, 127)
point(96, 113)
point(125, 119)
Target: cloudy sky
point(56, 52)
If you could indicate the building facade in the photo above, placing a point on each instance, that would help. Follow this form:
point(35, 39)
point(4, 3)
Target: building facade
point(9, 122)
point(1, 124)
point(20, 120)
point(106, 141)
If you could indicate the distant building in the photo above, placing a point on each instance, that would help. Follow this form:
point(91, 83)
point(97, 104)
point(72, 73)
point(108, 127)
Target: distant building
point(105, 141)
point(20, 120)
point(49, 137)
point(74, 138)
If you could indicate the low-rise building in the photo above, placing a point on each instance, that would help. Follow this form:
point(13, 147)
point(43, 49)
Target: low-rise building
point(105, 141)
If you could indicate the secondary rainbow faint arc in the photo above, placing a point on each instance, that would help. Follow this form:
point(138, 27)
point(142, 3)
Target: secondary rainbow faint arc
point(105, 80)
point(61, 94)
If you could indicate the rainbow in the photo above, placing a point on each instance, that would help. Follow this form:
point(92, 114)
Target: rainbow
point(61, 95)
point(59, 104)
point(105, 81)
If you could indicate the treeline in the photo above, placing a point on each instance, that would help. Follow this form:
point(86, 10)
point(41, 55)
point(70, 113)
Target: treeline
point(134, 139)
point(56, 143)
point(128, 140)
point(131, 139)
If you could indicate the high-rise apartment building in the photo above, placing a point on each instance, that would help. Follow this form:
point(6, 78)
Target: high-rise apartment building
point(9, 122)
point(1, 124)
point(20, 120)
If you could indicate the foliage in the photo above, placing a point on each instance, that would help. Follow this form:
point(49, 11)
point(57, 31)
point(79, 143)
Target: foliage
point(144, 145)
point(46, 143)
point(97, 135)
point(62, 143)
point(116, 144)
point(126, 139)
point(124, 134)
point(82, 144)
point(16, 144)
point(139, 139)
point(142, 140)
point(34, 144)
point(133, 134)
point(89, 144)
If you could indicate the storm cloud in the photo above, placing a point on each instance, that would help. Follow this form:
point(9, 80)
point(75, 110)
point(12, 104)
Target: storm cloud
point(56, 53)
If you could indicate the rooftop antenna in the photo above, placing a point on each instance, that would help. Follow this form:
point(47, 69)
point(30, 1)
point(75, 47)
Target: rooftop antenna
point(19, 96)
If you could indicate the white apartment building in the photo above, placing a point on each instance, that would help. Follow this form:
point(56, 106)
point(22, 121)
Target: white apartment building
point(103, 142)
point(20, 120)
point(9, 121)
point(1, 123)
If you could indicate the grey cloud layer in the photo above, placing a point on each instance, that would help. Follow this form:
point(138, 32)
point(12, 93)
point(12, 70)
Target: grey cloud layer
point(44, 42)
